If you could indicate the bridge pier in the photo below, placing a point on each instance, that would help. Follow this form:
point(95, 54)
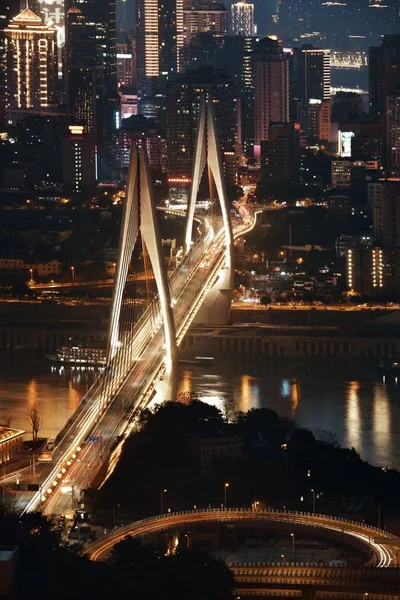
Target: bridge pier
point(309, 594)
point(216, 308)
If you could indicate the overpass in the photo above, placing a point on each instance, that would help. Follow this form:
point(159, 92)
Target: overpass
point(383, 547)
point(301, 580)
point(142, 353)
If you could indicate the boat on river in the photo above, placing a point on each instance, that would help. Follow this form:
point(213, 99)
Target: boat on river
point(79, 356)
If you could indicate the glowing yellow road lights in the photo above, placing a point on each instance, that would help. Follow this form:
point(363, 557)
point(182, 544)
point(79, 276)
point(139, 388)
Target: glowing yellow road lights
point(162, 500)
point(225, 494)
point(313, 500)
point(31, 274)
point(73, 273)
point(293, 545)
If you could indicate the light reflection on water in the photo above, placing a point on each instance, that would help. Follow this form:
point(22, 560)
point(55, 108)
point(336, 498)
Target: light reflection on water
point(363, 412)
point(348, 399)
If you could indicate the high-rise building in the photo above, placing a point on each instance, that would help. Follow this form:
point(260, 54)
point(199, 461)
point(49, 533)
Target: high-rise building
point(238, 64)
point(242, 18)
point(384, 74)
point(79, 168)
point(200, 18)
point(31, 69)
point(271, 81)
point(85, 86)
point(183, 104)
point(393, 130)
point(280, 155)
point(386, 213)
point(52, 10)
point(126, 63)
point(8, 10)
point(315, 69)
point(159, 39)
point(101, 15)
point(315, 120)
point(373, 271)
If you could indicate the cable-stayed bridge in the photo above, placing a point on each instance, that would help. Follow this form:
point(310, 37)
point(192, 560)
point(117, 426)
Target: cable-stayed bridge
point(142, 353)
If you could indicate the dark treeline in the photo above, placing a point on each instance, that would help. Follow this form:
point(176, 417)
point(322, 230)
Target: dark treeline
point(280, 464)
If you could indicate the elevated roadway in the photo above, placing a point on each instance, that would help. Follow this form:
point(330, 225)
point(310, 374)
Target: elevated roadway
point(383, 547)
point(301, 580)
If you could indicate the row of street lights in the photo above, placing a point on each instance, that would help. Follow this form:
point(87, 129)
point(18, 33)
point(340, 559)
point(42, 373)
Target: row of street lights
point(164, 491)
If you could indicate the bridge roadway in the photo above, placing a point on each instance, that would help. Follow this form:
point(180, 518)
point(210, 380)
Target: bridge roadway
point(127, 385)
point(256, 579)
point(383, 546)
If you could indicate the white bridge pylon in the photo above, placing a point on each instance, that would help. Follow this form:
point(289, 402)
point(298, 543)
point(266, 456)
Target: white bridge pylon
point(139, 215)
point(217, 304)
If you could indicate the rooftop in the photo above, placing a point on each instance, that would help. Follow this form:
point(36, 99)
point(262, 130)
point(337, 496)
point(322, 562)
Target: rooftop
point(27, 16)
point(6, 433)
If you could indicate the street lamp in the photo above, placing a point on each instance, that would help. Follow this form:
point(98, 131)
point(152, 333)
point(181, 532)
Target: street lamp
point(225, 493)
point(162, 500)
point(313, 500)
point(73, 273)
point(293, 545)
point(31, 272)
point(284, 559)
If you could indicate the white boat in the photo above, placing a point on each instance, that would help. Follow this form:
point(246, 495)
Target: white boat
point(79, 355)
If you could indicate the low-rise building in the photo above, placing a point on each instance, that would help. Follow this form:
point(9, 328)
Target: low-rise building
point(207, 449)
point(10, 441)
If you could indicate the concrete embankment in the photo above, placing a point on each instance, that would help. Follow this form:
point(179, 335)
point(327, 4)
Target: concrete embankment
point(270, 332)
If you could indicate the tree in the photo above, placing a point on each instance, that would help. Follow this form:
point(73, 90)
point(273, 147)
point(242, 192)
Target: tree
point(35, 420)
point(6, 420)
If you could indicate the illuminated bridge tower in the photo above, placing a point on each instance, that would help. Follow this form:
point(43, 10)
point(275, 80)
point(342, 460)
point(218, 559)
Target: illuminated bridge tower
point(139, 217)
point(216, 307)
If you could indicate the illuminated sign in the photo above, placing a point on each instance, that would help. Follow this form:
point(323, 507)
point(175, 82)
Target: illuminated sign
point(344, 143)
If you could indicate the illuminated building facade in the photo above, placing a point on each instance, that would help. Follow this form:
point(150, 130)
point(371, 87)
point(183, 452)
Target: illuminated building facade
point(79, 162)
point(100, 16)
point(238, 64)
point(271, 80)
point(212, 19)
point(242, 16)
point(159, 39)
point(280, 155)
point(393, 131)
point(8, 10)
point(31, 69)
point(85, 86)
point(373, 271)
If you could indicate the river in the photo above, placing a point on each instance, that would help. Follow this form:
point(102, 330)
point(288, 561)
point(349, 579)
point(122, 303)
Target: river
point(348, 398)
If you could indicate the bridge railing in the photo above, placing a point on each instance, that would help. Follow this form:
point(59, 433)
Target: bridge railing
point(255, 514)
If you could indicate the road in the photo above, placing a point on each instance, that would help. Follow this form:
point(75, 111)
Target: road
point(240, 305)
point(384, 547)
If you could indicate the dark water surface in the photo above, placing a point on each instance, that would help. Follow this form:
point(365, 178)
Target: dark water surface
point(348, 398)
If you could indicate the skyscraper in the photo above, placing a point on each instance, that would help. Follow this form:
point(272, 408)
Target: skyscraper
point(242, 16)
point(159, 39)
point(393, 131)
point(8, 10)
point(315, 69)
point(31, 70)
point(84, 75)
point(238, 64)
point(183, 104)
point(201, 18)
point(101, 14)
point(384, 74)
point(271, 80)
